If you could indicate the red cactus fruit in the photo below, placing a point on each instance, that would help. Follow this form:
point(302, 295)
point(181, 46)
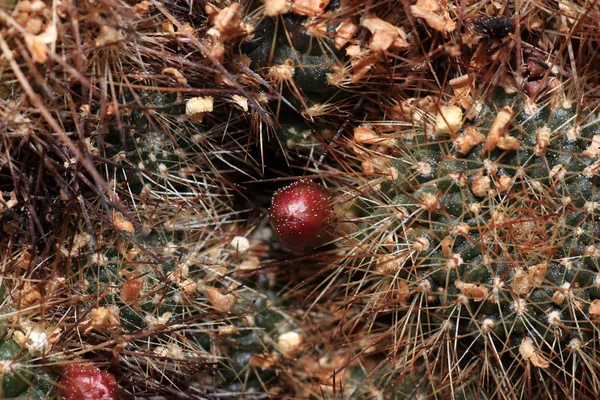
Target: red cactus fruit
point(300, 213)
point(86, 382)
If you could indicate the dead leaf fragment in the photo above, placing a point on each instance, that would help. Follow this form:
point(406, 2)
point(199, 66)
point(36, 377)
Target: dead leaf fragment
point(362, 66)
point(480, 186)
point(593, 149)
point(469, 139)
point(365, 135)
point(435, 14)
point(142, 8)
point(196, 107)
point(344, 33)
point(221, 302)
point(121, 223)
point(276, 7)
point(499, 128)
point(385, 35)
point(131, 290)
point(595, 311)
point(524, 281)
point(472, 291)
point(38, 44)
point(530, 353)
point(227, 24)
point(109, 36)
point(449, 120)
point(309, 8)
point(28, 295)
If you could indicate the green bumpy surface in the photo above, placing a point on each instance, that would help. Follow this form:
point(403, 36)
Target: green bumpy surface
point(277, 42)
point(496, 251)
point(20, 379)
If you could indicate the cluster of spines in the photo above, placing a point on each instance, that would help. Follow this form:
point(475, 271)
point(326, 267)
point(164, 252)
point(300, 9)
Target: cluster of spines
point(468, 273)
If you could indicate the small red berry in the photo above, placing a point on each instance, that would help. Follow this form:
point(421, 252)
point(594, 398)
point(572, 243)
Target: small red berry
point(300, 213)
point(86, 382)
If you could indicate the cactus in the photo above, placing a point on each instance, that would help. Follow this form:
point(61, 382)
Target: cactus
point(482, 243)
point(461, 257)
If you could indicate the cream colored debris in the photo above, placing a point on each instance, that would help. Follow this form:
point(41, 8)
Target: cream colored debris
point(366, 135)
point(543, 139)
point(385, 36)
point(36, 337)
point(595, 311)
point(465, 142)
point(176, 74)
point(472, 291)
point(226, 330)
point(196, 107)
point(290, 343)
point(276, 7)
point(435, 14)
point(158, 321)
point(530, 353)
point(344, 33)
point(109, 36)
point(240, 244)
point(102, 317)
point(226, 25)
point(431, 202)
point(389, 264)
point(593, 149)
point(309, 8)
point(121, 223)
point(449, 120)
point(282, 73)
point(499, 128)
point(504, 183)
point(240, 101)
point(508, 143)
point(480, 186)
point(249, 264)
point(221, 302)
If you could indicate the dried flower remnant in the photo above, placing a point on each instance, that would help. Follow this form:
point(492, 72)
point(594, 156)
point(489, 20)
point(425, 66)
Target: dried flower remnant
point(196, 107)
point(499, 128)
point(227, 24)
point(220, 301)
point(309, 8)
point(274, 8)
point(530, 353)
point(449, 120)
point(385, 35)
point(435, 14)
point(344, 33)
